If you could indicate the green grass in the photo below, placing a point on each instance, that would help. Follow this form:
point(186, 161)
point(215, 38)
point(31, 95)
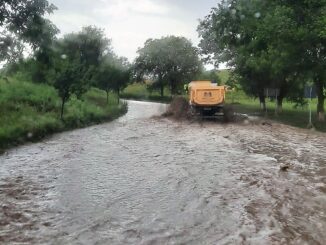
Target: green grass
point(291, 115)
point(30, 111)
point(138, 91)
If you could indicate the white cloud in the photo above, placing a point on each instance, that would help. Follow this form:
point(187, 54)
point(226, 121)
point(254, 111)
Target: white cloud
point(129, 23)
point(131, 33)
point(122, 9)
point(72, 22)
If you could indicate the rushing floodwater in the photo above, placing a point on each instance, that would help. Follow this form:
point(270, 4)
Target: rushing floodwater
point(144, 180)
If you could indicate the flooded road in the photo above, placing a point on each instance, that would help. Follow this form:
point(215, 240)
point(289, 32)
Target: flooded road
point(145, 180)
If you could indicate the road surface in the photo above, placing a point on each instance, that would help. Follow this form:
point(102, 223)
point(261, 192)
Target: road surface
point(149, 180)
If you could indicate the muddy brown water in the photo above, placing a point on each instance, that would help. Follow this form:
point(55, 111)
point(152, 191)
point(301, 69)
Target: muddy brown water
point(144, 180)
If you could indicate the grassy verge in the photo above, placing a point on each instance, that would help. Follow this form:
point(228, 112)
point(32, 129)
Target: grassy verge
point(139, 92)
point(30, 111)
point(291, 115)
point(298, 117)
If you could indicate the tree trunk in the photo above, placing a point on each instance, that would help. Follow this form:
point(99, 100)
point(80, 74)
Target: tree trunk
point(262, 102)
point(173, 88)
point(321, 100)
point(282, 94)
point(118, 93)
point(62, 108)
point(279, 108)
point(161, 85)
point(107, 97)
point(162, 89)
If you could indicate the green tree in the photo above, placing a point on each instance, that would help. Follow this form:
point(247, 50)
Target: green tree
point(122, 76)
point(113, 74)
point(210, 76)
point(22, 22)
point(312, 28)
point(90, 45)
point(103, 78)
point(168, 61)
point(150, 64)
point(273, 43)
point(120, 81)
point(228, 35)
point(69, 79)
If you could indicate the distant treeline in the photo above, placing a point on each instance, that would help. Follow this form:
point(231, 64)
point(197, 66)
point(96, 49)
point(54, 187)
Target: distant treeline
point(267, 44)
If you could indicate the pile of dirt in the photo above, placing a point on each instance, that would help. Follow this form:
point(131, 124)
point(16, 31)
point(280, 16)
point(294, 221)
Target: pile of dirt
point(178, 109)
point(229, 114)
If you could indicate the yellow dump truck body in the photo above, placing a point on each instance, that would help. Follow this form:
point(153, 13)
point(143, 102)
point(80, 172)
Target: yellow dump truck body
point(206, 94)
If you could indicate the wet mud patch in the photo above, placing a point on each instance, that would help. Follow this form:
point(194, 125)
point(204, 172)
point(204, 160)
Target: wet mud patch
point(20, 216)
point(180, 110)
point(292, 208)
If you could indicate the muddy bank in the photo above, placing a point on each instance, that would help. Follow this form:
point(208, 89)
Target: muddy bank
point(143, 180)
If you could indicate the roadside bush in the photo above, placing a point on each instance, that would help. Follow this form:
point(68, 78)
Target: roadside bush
point(31, 111)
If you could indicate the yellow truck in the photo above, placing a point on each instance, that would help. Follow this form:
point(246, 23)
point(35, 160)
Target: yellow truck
point(207, 99)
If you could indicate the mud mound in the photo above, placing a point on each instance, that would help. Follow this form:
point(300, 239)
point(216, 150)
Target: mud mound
point(178, 109)
point(229, 114)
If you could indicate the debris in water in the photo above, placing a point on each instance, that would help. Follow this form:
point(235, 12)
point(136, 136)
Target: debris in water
point(266, 123)
point(284, 167)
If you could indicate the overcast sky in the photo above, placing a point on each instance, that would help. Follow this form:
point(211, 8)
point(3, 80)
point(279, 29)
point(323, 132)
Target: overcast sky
point(129, 23)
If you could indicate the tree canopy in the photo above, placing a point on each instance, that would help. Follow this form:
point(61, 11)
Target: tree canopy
point(169, 61)
point(113, 74)
point(269, 44)
point(86, 59)
point(89, 45)
point(22, 22)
